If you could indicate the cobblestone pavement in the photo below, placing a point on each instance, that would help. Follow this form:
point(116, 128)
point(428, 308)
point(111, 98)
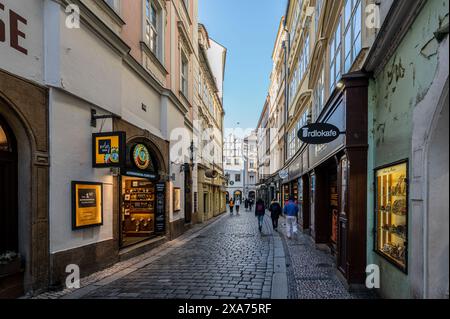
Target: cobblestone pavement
point(312, 272)
point(231, 259)
point(227, 258)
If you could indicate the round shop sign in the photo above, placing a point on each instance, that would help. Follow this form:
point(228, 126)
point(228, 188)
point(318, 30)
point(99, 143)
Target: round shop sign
point(318, 133)
point(141, 156)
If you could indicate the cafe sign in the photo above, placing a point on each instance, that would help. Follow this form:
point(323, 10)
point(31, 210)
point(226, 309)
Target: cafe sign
point(108, 149)
point(318, 133)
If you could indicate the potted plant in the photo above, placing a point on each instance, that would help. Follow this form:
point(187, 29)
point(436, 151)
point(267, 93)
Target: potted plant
point(10, 263)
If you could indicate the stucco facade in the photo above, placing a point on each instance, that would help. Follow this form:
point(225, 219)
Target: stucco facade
point(408, 119)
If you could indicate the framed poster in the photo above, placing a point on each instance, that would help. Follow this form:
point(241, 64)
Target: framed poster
point(108, 149)
point(176, 199)
point(87, 204)
point(391, 213)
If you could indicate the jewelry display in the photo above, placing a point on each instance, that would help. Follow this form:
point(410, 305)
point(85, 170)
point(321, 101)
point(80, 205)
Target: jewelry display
point(391, 213)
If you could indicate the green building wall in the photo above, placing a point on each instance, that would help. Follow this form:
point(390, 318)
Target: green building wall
point(393, 95)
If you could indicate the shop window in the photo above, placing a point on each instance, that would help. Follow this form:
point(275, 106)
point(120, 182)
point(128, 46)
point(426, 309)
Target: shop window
point(237, 177)
point(138, 210)
point(391, 209)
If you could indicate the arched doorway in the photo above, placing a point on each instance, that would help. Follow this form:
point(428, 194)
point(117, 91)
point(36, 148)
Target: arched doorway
point(438, 205)
point(251, 195)
point(8, 190)
point(227, 197)
point(11, 275)
point(237, 195)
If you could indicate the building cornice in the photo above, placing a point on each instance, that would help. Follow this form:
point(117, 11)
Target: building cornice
point(399, 19)
point(152, 56)
point(96, 25)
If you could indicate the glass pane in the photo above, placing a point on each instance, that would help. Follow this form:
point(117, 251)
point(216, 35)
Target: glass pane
point(4, 145)
point(391, 212)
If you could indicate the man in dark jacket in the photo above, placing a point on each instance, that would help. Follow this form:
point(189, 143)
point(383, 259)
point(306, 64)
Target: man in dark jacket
point(260, 211)
point(291, 212)
point(275, 212)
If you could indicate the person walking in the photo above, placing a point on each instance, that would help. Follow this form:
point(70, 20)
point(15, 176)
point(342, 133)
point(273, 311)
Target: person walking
point(238, 205)
point(246, 204)
point(231, 204)
point(260, 211)
point(275, 212)
point(250, 204)
point(291, 212)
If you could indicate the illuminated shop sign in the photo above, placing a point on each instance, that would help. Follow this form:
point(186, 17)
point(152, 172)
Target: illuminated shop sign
point(108, 149)
point(318, 133)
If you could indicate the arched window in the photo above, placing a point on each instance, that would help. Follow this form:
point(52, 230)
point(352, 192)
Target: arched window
point(5, 140)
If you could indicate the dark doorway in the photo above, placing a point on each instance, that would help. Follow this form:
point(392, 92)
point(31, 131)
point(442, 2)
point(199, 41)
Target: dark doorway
point(9, 237)
point(326, 205)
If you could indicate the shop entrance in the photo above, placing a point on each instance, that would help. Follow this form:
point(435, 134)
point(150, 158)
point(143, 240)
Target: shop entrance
point(325, 200)
point(138, 210)
point(9, 237)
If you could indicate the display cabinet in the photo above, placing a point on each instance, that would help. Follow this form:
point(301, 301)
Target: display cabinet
point(391, 210)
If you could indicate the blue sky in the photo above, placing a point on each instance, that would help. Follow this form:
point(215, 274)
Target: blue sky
point(247, 28)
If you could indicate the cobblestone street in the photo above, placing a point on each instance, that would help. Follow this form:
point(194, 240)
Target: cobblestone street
point(226, 259)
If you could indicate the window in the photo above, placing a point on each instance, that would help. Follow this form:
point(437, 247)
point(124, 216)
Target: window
point(151, 27)
point(319, 94)
point(114, 4)
point(295, 19)
point(237, 177)
point(228, 161)
point(352, 33)
point(317, 16)
point(299, 73)
point(184, 74)
point(335, 57)
point(252, 179)
point(252, 164)
point(236, 161)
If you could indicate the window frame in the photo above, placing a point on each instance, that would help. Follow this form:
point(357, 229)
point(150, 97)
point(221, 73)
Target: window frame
point(184, 73)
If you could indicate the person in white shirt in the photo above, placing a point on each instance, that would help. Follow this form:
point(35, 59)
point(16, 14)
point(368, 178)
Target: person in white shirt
point(237, 204)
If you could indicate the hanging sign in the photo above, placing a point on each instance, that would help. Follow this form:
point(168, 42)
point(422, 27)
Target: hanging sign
point(318, 133)
point(108, 149)
point(283, 174)
point(141, 156)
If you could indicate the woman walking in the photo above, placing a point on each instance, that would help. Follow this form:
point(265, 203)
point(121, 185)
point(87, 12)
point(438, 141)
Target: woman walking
point(275, 212)
point(260, 211)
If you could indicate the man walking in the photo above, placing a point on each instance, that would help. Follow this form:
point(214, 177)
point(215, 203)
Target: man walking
point(260, 211)
point(291, 212)
point(275, 212)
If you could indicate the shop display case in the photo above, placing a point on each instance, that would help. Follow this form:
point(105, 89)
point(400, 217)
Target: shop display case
point(391, 209)
point(138, 208)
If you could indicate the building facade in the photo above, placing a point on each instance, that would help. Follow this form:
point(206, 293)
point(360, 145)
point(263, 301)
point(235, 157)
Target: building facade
point(370, 197)
point(250, 159)
point(103, 108)
point(407, 207)
point(233, 152)
point(208, 128)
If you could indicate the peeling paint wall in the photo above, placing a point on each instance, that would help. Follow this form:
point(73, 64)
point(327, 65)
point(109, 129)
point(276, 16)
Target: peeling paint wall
point(393, 96)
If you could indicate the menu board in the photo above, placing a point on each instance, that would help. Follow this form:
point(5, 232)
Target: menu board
point(160, 208)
